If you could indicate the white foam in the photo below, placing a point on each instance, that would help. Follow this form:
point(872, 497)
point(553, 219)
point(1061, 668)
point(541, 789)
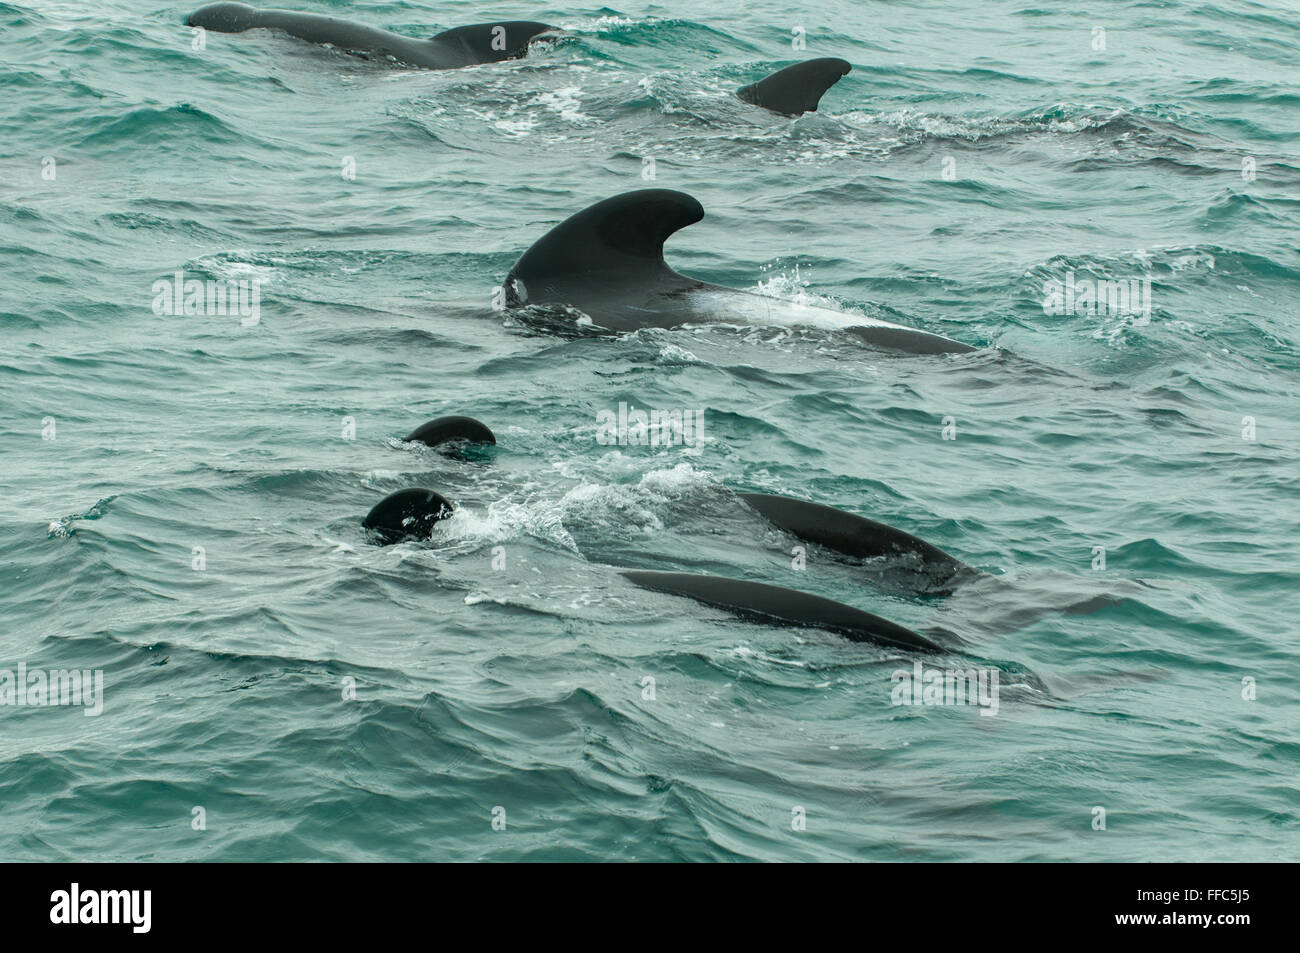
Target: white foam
point(565, 102)
point(765, 310)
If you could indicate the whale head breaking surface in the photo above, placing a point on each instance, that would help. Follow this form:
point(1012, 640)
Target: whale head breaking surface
point(407, 514)
point(453, 431)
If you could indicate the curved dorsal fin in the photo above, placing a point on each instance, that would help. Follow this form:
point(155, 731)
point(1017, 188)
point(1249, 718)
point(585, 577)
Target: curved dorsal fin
point(622, 236)
point(796, 89)
point(489, 42)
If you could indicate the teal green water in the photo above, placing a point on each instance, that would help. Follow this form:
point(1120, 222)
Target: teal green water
point(521, 688)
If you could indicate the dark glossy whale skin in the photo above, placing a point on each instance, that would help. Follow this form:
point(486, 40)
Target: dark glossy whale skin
point(796, 89)
point(413, 513)
point(463, 46)
point(907, 563)
point(451, 429)
point(607, 261)
point(407, 514)
point(851, 534)
point(757, 600)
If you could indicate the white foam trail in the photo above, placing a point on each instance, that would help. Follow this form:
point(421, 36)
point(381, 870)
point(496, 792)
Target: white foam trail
point(752, 309)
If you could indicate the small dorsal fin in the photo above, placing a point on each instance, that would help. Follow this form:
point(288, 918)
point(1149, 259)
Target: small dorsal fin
point(489, 42)
point(622, 237)
point(796, 89)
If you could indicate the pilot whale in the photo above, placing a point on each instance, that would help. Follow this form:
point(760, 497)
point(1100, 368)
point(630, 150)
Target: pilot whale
point(607, 262)
point(407, 514)
point(415, 512)
point(899, 560)
point(462, 46)
point(796, 89)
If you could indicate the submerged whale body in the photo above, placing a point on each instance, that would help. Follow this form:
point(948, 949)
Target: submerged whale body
point(463, 46)
point(414, 514)
point(607, 261)
point(860, 537)
point(766, 603)
point(796, 89)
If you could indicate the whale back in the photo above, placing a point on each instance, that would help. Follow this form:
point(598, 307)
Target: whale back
point(767, 603)
point(462, 46)
point(798, 88)
point(611, 251)
point(857, 536)
point(607, 262)
point(487, 42)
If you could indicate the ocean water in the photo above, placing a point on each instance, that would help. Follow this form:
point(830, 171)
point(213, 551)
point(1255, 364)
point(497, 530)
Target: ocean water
point(180, 496)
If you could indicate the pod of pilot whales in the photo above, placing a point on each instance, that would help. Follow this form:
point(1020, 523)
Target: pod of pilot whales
point(607, 263)
point(414, 514)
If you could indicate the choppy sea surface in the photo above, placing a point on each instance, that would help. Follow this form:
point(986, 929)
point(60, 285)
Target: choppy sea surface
point(181, 496)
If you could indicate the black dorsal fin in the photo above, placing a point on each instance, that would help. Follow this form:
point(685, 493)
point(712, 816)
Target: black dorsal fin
point(621, 238)
point(489, 42)
point(796, 89)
